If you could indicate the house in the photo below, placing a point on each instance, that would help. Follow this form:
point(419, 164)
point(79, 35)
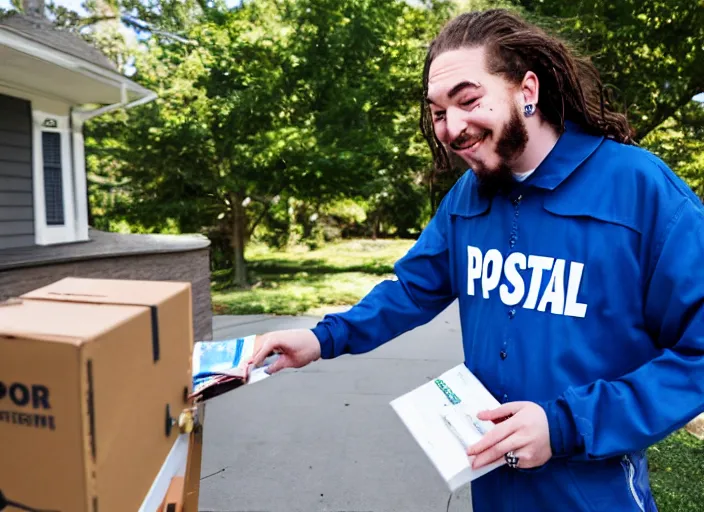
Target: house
point(51, 83)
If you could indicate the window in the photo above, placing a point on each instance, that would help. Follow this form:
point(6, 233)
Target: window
point(53, 179)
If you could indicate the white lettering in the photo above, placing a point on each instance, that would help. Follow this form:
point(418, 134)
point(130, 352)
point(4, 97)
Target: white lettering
point(555, 290)
point(490, 280)
point(538, 264)
point(490, 267)
point(574, 308)
point(474, 267)
point(513, 277)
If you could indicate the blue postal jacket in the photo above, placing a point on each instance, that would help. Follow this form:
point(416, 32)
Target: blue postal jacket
point(582, 290)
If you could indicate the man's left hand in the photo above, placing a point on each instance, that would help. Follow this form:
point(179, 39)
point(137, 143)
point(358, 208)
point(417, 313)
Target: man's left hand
point(523, 429)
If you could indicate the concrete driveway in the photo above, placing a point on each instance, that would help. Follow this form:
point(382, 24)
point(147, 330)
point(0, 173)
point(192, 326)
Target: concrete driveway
point(324, 438)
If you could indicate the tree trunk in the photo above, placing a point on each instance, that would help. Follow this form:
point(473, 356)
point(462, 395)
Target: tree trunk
point(239, 240)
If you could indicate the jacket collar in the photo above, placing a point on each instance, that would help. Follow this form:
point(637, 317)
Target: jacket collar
point(467, 201)
point(572, 148)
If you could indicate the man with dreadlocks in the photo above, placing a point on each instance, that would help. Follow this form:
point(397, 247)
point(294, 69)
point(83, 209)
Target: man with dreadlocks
point(576, 258)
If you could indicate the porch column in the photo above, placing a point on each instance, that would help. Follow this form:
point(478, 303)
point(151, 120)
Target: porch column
point(79, 175)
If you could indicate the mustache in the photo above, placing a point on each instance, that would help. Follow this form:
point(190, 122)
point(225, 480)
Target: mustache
point(463, 138)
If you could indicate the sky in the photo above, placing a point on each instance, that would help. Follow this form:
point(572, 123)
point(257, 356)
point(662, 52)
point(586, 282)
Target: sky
point(71, 4)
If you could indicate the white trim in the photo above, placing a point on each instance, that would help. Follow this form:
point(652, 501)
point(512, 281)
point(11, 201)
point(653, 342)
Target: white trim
point(174, 465)
point(23, 91)
point(84, 115)
point(79, 174)
point(43, 233)
point(11, 38)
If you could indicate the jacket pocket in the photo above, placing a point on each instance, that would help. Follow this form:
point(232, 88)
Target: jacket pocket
point(602, 488)
point(590, 207)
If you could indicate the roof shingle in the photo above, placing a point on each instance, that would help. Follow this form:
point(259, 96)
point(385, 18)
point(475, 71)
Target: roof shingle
point(44, 32)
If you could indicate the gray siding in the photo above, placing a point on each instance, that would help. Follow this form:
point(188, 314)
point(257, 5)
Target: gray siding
point(16, 199)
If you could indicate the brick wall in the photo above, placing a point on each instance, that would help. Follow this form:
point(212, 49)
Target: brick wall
point(193, 266)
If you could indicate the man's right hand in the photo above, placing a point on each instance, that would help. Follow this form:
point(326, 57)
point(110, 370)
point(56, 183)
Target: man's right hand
point(296, 348)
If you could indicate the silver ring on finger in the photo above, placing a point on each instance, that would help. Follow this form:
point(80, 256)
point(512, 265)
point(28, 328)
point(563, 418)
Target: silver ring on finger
point(511, 460)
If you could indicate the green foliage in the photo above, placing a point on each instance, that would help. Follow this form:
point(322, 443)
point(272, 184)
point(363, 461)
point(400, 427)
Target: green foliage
point(649, 52)
point(346, 210)
point(402, 207)
point(310, 101)
point(679, 141)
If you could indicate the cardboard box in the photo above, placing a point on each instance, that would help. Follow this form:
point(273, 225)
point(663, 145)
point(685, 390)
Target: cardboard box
point(88, 370)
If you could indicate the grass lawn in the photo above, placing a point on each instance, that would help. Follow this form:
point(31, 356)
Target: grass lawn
point(338, 275)
point(677, 473)
point(304, 281)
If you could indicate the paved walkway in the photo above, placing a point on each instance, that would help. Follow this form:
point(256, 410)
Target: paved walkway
point(324, 438)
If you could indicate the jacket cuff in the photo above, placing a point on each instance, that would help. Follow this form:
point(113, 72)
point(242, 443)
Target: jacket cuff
point(327, 346)
point(563, 433)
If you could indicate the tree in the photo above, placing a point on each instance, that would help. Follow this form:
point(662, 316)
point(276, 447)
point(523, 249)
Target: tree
point(679, 141)
point(649, 52)
point(304, 99)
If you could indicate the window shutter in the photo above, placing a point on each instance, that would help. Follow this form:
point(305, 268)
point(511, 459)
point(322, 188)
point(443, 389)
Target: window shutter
point(53, 178)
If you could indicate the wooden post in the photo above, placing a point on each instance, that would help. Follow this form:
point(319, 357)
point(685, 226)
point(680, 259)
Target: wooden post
point(173, 501)
point(191, 486)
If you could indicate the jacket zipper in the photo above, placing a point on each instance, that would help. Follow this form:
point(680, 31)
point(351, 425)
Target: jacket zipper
point(514, 225)
point(513, 238)
point(631, 481)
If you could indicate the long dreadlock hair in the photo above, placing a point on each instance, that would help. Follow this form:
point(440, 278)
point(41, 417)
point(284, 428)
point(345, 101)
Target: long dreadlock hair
point(570, 86)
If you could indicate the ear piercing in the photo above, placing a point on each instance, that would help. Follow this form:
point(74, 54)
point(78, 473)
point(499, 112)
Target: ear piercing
point(529, 110)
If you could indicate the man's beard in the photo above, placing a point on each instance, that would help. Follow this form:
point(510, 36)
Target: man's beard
point(512, 143)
